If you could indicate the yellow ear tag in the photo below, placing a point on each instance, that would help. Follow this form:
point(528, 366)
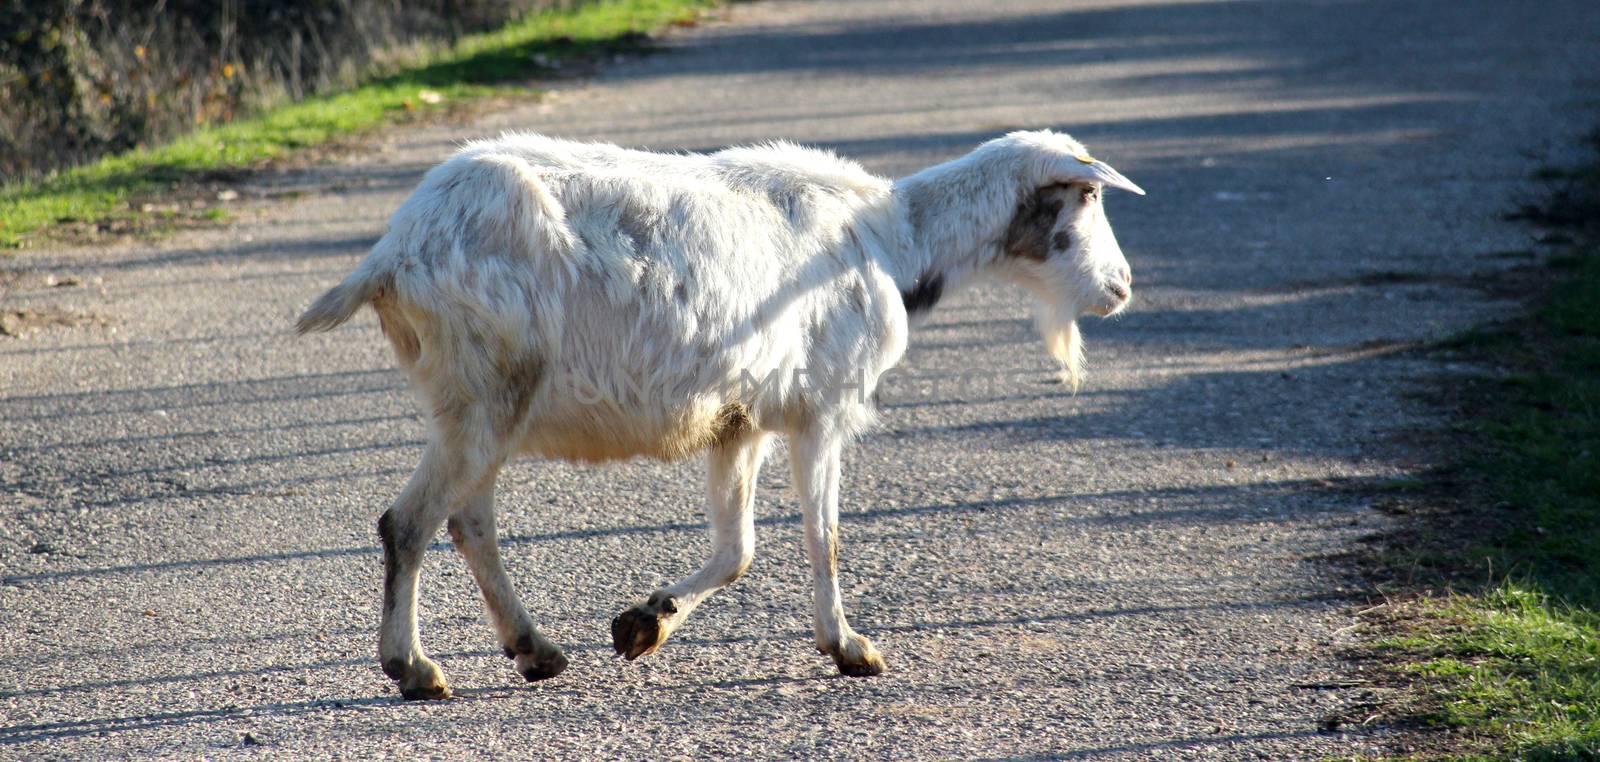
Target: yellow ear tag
point(1085, 158)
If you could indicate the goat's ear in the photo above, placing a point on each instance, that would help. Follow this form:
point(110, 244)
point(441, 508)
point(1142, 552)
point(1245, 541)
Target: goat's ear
point(1086, 168)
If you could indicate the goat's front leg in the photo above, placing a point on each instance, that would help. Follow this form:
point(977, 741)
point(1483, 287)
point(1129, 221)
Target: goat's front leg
point(730, 509)
point(814, 458)
point(472, 528)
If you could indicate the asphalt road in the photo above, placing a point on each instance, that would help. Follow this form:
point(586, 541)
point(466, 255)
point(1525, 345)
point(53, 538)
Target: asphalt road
point(188, 492)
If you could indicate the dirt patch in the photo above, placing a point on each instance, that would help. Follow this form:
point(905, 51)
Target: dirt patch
point(19, 324)
point(1394, 698)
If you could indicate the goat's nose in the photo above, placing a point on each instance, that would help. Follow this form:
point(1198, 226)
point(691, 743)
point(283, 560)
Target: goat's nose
point(1120, 282)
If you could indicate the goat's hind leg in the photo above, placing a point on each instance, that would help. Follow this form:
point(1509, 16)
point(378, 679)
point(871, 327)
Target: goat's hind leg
point(730, 508)
point(458, 467)
point(406, 529)
point(472, 528)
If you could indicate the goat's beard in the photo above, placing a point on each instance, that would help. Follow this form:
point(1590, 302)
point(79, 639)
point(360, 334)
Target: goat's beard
point(1064, 342)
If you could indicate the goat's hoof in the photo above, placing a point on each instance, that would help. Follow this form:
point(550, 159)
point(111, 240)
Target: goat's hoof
point(422, 680)
point(438, 692)
point(642, 629)
point(536, 658)
point(857, 657)
point(541, 666)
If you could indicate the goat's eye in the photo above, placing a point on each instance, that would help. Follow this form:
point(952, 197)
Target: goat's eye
point(1089, 194)
point(1061, 241)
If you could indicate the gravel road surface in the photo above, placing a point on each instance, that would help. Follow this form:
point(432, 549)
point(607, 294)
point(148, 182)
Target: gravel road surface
point(188, 492)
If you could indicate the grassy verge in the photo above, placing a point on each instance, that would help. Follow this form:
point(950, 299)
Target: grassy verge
point(1510, 667)
point(477, 66)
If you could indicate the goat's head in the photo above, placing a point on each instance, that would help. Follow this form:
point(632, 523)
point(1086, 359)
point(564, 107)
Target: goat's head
point(1059, 245)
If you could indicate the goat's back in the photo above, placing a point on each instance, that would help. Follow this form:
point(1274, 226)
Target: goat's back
point(656, 282)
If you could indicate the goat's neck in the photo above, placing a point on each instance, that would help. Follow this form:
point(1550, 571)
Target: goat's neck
point(958, 214)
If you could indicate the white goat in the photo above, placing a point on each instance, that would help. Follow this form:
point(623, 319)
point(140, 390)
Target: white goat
point(589, 302)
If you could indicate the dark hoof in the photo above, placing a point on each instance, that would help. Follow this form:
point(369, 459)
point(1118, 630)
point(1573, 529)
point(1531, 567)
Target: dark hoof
point(871, 668)
point(858, 658)
point(536, 658)
point(639, 631)
point(419, 680)
point(541, 668)
point(438, 692)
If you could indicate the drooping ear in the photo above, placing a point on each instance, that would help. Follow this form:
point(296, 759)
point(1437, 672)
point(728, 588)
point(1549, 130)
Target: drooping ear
point(1028, 235)
point(1086, 168)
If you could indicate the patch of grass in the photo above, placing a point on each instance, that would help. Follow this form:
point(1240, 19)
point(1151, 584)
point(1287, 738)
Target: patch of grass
point(1515, 254)
point(1542, 460)
point(1393, 277)
point(1513, 667)
point(1401, 484)
point(477, 66)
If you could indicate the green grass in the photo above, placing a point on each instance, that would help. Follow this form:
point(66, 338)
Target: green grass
point(476, 66)
point(1515, 666)
point(1402, 484)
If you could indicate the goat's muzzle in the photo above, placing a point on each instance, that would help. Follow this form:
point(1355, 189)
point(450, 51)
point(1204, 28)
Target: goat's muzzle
point(1117, 296)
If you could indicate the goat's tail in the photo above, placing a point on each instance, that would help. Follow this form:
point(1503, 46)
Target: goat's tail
point(363, 286)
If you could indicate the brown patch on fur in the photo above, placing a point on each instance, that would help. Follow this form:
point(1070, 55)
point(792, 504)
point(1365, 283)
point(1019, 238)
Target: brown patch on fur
point(407, 346)
point(857, 294)
point(732, 421)
point(1028, 234)
point(608, 435)
point(924, 294)
point(833, 552)
point(1061, 241)
point(519, 379)
point(591, 444)
point(451, 406)
point(634, 230)
point(391, 561)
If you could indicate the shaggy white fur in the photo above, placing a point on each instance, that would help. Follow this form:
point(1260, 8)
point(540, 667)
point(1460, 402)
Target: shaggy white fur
point(590, 302)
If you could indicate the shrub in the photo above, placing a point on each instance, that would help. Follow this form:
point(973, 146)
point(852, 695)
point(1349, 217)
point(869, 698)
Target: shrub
point(83, 78)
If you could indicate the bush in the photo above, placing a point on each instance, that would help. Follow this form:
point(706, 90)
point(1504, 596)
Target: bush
point(83, 78)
